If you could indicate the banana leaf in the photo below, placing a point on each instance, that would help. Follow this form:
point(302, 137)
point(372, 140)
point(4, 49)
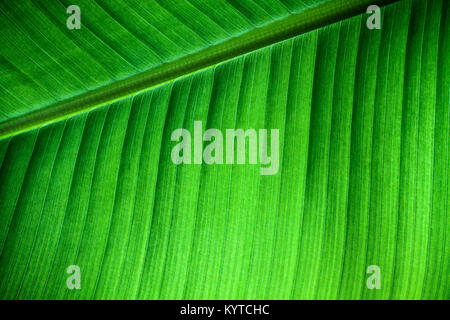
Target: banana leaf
point(86, 171)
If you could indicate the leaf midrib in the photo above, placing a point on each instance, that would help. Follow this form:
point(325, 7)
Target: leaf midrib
point(293, 25)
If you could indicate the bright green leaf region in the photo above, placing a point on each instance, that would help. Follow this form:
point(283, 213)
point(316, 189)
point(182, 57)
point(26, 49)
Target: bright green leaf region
point(363, 180)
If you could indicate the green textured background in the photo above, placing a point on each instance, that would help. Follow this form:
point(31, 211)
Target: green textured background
point(364, 158)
